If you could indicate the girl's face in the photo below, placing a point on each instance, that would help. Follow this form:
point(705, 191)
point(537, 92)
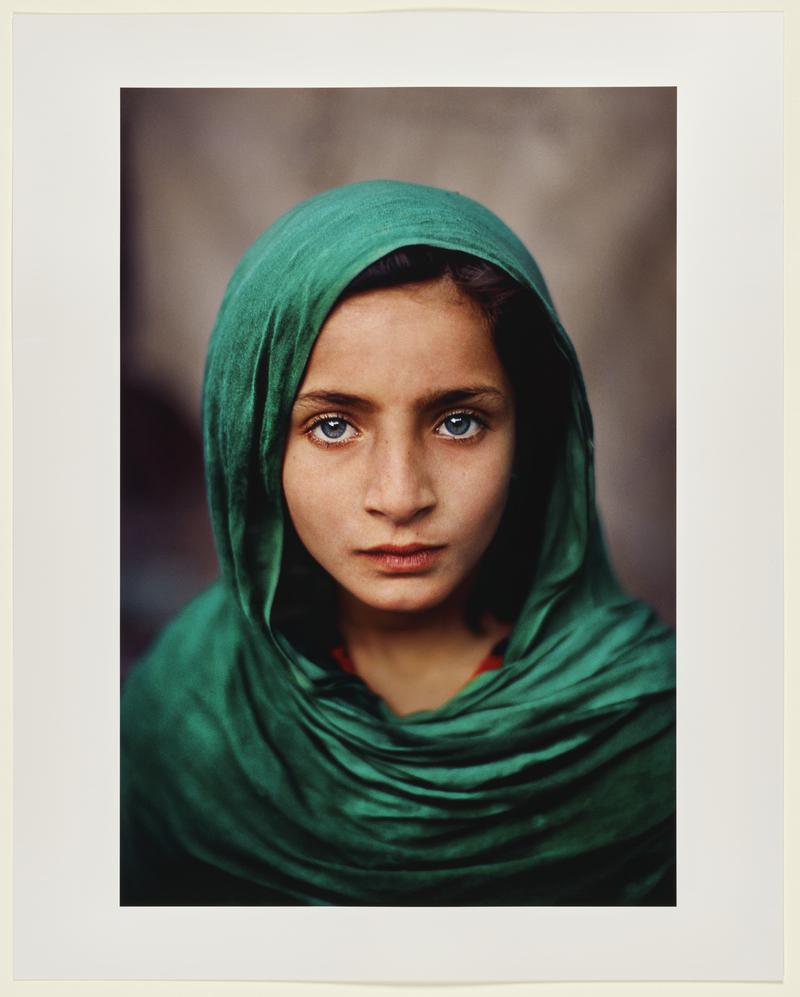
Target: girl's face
point(399, 453)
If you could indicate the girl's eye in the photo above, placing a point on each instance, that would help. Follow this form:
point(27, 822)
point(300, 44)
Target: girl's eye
point(460, 425)
point(332, 429)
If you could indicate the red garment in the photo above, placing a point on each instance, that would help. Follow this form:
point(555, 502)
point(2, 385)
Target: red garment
point(492, 661)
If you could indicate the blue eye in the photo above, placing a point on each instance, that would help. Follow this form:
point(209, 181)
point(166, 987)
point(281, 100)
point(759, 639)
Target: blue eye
point(460, 424)
point(457, 425)
point(333, 428)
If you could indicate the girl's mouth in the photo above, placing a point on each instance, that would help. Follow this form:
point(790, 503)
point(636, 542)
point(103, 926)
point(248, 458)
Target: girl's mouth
point(410, 559)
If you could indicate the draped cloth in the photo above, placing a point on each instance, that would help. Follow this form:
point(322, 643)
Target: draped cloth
point(254, 774)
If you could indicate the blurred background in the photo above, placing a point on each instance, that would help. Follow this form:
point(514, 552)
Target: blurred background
point(586, 178)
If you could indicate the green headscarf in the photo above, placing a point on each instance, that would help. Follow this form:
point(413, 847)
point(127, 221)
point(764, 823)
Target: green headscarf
point(254, 775)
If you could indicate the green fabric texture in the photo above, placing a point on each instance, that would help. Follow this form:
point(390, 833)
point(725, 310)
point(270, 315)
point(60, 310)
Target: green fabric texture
point(254, 775)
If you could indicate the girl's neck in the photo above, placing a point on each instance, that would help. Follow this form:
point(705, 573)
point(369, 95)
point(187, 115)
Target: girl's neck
point(416, 661)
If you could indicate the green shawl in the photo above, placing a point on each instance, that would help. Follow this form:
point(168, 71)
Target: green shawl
point(254, 775)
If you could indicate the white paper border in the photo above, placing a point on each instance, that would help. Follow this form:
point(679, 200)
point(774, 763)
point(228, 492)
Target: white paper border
point(67, 75)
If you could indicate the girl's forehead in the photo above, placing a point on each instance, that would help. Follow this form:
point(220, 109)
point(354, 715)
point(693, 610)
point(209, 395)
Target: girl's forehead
point(409, 334)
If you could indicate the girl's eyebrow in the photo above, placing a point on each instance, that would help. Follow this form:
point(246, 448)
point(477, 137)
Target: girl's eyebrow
point(430, 400)
point(454, 396)
point(340, 399)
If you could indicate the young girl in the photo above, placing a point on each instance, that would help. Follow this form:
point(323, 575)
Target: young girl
point(417, 680)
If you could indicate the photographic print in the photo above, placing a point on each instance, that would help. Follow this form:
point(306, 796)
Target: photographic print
point(397, 614)
point(348, 462)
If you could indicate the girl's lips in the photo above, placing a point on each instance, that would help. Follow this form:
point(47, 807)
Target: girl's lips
point(403, 560)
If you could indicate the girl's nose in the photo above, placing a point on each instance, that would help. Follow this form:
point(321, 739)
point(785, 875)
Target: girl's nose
point(399, 485)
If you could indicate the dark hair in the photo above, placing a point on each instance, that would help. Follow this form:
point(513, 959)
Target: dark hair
point(539, 374)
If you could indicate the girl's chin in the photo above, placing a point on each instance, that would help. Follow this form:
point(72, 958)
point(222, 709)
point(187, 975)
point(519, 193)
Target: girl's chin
point(419, 599)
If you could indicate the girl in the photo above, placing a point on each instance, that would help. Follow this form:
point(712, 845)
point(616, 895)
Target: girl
point(417, 680)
